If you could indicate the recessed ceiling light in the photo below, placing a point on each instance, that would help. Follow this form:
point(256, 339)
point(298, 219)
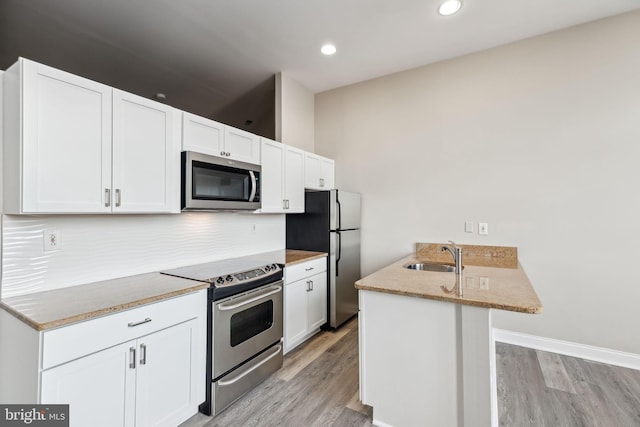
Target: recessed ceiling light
point(449, 7)
point(328, 49)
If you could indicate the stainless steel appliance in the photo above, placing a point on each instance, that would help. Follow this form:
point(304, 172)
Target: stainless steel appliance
point(216, 183)
point(244, 342)
point(331, 223)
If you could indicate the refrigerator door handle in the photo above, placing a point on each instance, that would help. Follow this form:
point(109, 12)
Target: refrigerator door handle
point(339, 211)
point(339, 247)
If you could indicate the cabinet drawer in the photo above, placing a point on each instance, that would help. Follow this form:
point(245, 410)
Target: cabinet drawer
point(305, 269)
point(70, 342)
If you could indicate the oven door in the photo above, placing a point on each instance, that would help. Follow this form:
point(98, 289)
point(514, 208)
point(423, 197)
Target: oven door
point(216, 183)
point(244, 325)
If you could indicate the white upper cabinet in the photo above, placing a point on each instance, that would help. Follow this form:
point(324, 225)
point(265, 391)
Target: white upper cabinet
point(216, 139)
point(59, 160)
point(282, 178)
point(146, 162)
point(202, 135)
point(319, 172)
point(59, 133)
point(241, 145)
point(294, 179)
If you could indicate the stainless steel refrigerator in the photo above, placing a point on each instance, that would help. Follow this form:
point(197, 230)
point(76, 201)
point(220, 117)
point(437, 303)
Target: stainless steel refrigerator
point(331, 223)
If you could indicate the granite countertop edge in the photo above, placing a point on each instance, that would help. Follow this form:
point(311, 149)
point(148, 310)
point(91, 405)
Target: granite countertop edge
point(395, 279)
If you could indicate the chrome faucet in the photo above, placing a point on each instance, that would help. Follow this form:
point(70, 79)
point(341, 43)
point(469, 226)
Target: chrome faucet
point(456, 253)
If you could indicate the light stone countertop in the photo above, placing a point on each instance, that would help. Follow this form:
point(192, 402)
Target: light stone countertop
point(508, 288)
point(295, 256)
point(60, 307)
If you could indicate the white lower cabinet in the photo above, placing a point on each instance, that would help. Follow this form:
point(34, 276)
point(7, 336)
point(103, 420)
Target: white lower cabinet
point(305, 301)
point(141, 367)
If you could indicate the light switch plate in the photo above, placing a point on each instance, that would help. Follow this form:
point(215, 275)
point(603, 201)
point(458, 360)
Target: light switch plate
point(468, 226)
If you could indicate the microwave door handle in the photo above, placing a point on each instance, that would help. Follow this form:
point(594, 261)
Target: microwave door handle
point(253, 186)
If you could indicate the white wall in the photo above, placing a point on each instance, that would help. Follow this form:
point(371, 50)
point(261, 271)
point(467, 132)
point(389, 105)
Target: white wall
point(294, 113)
point(101, 247)
point(539, 138)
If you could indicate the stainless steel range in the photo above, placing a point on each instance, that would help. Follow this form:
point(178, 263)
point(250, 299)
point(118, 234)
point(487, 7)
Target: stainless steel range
point(244, 342)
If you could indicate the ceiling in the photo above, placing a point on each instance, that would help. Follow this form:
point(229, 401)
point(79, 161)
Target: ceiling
point(206, 55)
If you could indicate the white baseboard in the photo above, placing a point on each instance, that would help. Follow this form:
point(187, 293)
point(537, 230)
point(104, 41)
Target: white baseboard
point(582, 351)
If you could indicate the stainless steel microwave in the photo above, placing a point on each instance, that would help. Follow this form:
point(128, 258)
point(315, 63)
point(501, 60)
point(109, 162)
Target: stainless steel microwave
point(216, 183)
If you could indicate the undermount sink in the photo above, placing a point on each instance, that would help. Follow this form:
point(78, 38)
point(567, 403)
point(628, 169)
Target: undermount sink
point(423, 266)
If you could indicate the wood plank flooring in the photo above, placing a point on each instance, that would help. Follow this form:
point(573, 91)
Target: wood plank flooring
point(536, 388)
point(318, 386)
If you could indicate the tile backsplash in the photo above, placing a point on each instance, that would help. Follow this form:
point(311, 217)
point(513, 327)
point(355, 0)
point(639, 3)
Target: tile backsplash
point(102, 247)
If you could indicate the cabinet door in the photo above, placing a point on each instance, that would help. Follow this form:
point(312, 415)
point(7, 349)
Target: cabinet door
point(294, 179)
point(327, 173)
point(272, 176)
point(66, 142)
point(311, 171)
point(317, 301)
point(202, 135)
point(241, 145)
point(163, 383)
point(100, 388)
point(145, 155)
point(295, 313)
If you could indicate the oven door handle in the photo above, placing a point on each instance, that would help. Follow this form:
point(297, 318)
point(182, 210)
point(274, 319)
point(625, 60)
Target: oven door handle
point(253, 368)
point(232, 305)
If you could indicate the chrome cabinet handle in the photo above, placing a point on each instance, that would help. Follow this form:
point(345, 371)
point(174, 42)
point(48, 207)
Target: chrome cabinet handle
point(321, 182)
point(222, 153)
point(228, 154)
point(142, 322)
point(132, 357)
point(308, 269)
point(107, 197)
point(311, 284)
point(143, 354)
point(118, 197)
point(284, 204)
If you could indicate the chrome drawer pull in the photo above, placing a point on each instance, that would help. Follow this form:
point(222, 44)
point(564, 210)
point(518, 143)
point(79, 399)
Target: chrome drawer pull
point(142, 322)
point(308, 269)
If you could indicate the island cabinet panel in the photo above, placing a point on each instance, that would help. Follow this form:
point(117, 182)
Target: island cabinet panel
point(409, 359)
point(426, 362)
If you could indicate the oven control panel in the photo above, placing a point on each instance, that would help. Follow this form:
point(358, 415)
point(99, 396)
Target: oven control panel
point(245, 276)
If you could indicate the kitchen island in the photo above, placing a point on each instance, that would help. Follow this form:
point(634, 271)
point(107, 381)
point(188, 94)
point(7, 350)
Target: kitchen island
point(427, 355)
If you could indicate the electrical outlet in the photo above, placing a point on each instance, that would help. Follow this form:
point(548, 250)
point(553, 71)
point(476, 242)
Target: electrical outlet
point(484, 283)
point(468, 226)
point(483, 228)
point(52, 240)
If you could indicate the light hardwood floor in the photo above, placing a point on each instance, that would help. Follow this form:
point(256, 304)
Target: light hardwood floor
point(536, 388)
point(318, 386)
